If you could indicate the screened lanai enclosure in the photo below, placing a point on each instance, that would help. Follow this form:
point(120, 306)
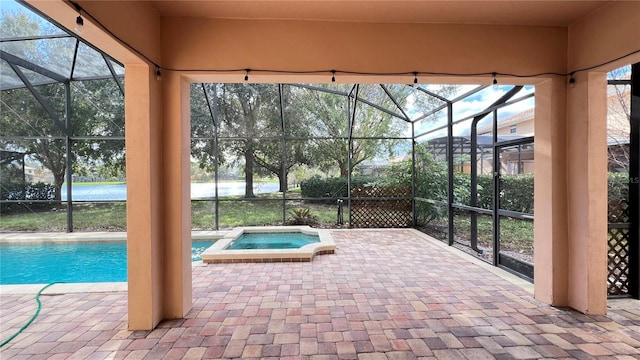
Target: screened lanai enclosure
point(62, 121)
point(454, 161)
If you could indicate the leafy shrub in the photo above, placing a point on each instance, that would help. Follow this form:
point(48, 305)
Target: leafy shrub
point(302, 216)
point(618, 186)
point(27, 193)
point(430, 183)
point(331, 188)
point(517, 190)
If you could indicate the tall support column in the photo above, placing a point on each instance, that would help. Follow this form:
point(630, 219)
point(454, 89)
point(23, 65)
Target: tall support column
point(143, 136)
point(68, 155)
point(634, 184)
point(586, 162)
point(450, 174)
point(550, 202)
point(176, 149)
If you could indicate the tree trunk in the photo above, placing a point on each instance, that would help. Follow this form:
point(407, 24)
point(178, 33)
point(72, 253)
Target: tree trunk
point(248, 172)
point(282, 177)
point(58, 182)
point(344, 170)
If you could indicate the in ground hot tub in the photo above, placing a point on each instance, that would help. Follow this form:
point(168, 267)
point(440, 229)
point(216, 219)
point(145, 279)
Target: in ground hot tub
point(296, 244)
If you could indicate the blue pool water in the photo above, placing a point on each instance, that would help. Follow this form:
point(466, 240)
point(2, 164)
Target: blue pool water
point(71, 263)
point(273, 241)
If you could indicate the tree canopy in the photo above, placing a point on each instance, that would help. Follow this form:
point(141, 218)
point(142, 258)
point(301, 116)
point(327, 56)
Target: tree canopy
point(41, 127)
point(270, 128)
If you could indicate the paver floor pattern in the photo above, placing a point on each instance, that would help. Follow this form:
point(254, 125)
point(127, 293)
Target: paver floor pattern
point(383, 295)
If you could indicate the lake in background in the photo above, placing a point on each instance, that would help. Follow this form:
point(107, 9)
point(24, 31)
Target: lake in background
point(198, 190)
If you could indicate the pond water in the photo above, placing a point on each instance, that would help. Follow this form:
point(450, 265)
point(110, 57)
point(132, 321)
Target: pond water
point(87, 192)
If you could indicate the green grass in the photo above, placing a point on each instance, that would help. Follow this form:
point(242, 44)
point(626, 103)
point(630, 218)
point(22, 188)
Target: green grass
point(86, 217)
point(252, 213)
point(92, 183)
point(515, 235)
point(112, 216)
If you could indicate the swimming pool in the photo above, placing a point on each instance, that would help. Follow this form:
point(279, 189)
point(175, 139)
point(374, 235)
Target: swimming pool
point(319, 242)
point(71, 263)
point(273, 241)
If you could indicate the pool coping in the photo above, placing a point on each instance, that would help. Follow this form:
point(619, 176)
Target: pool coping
point(89, 237)
point(62, 288)
point(219, 254)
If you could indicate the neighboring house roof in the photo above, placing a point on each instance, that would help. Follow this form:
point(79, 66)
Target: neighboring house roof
point(510, 120)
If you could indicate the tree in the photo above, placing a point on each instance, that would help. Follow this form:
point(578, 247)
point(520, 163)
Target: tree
point(249, 122)
point(269, 154)
point(330, 115)
point(240, 110)
point(97, 109)
point(98, 112)
point(23, 116)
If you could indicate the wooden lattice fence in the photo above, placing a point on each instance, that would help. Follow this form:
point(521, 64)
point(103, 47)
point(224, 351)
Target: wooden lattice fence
point(618, 254)
point(381, 207)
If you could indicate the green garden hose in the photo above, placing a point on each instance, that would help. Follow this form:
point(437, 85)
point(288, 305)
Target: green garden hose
point(32, 318)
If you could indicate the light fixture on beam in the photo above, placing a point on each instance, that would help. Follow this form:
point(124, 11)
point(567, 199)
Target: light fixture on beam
point(572, 81)
point(79, 27)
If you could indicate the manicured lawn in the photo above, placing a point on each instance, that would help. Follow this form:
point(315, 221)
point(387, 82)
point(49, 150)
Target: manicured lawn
point(112, 216)
point(516, 235)
point(86, 217)
point(253, 213)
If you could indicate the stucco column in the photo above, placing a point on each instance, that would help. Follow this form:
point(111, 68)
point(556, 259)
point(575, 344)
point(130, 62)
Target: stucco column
point(144, 197)
point(176, 151)
point(586, 161)
point(550, 198)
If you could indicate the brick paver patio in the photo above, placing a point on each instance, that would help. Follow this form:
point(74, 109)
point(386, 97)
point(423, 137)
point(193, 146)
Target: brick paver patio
point(387, 294)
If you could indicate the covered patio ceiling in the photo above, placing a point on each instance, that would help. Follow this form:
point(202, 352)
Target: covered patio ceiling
point(49, 53)
point(535, 13)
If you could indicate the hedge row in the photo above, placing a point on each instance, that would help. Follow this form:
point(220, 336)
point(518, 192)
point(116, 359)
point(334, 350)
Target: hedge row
point(335, 187)
point(516, 190)
point(26, 193)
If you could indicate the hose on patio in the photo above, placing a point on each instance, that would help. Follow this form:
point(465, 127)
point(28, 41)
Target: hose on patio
point(31, 319)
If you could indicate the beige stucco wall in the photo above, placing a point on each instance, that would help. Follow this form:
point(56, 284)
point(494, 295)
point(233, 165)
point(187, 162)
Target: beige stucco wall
point(570, 217)
point(144, 134)
point(363, 47)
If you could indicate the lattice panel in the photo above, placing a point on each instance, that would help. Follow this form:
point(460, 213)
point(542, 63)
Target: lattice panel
point(381, 211)
point(618, 211)
point(618, 255)
point(618, 280)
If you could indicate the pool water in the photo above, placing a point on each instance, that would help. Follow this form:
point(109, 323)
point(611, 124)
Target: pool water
point(71, 263)
point(273, 241)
